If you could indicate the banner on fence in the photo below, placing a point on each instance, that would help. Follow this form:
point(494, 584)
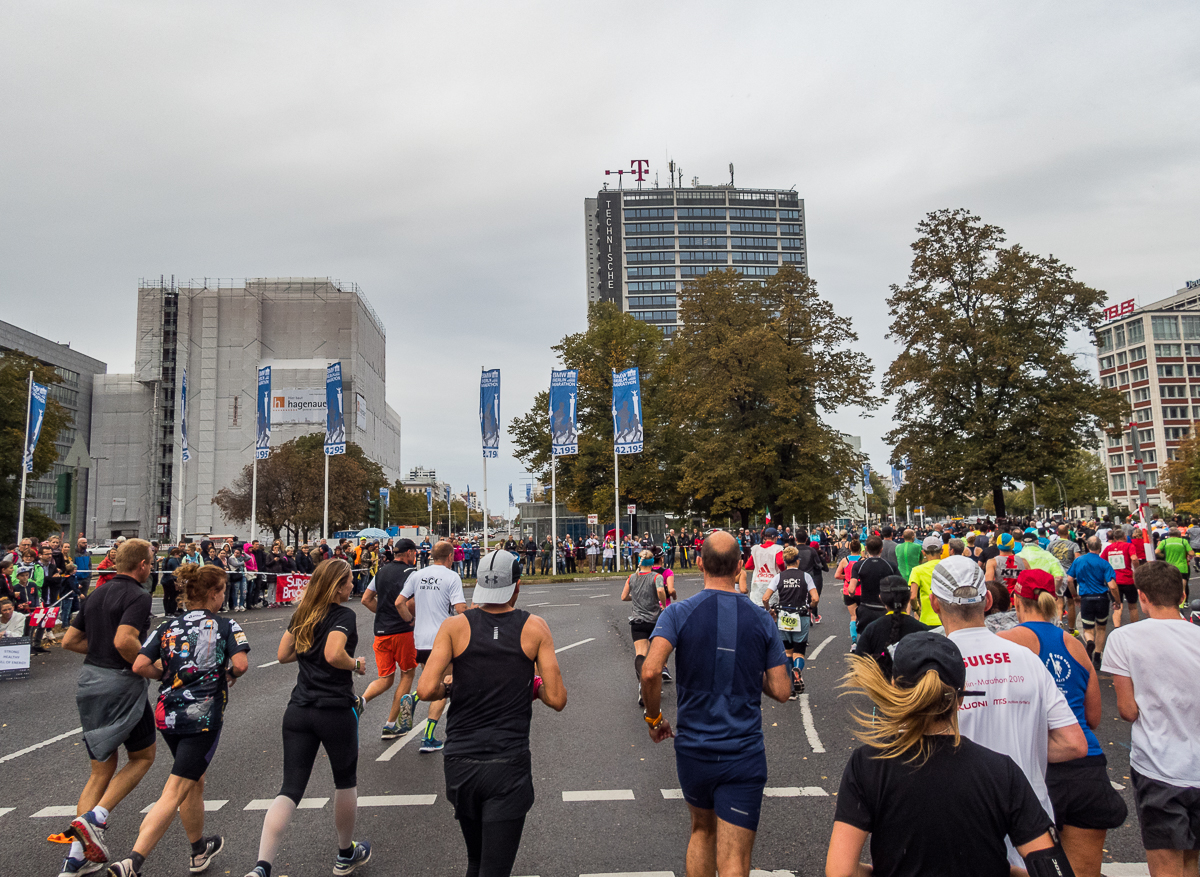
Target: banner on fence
point(289, 585)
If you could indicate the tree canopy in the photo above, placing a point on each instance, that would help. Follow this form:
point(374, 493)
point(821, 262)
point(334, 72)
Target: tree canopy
point(988, 393)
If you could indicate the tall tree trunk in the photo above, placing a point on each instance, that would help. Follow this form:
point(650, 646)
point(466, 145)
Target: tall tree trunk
point(998, 499)
point(744, 514)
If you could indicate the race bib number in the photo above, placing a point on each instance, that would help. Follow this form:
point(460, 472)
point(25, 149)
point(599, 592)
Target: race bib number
point(1116, 560)
point(789, 621)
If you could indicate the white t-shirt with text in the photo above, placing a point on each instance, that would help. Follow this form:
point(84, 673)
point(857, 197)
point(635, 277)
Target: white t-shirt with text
point(437, 590)
point(1162, 659)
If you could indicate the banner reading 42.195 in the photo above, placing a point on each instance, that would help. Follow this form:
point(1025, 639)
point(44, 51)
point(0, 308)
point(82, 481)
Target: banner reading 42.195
point(564, 390)
point(489, 412)
point(335, 416)
point(627, 411)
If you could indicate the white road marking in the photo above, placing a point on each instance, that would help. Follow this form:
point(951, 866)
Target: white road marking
point(60, 812)
point(599, 795)
point(37, 746)
point(531, 605)
point(268, 664)
point(597, 596)
point(209, 806)
point(4, 810)
point(1125, 869)
point(390, 752)
point(796, 792)
point(810, 727)
point(672, 794)
point(573, 645)
point(592, 588)
point(305, 804)
point(395, 800)
point(759, 872)
point(1117, 786)
point(559, 604)
point(817, 650)
point(632, 874)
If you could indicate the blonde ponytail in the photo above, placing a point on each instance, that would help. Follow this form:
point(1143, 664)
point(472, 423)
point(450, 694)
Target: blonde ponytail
point(904, 717)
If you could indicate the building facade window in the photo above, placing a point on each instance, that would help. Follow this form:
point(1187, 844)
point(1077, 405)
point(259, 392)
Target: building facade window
point(1152, 479)
point(1143, 415)
point(1107, 362)
point(1119, 336)
point(1135, 331)
point(701, 212)
point(1139, 374)
point(650, 257)
point(1149, 457)
point(703, 256)
point(752, 228)
point(1174, 433)
point(773, 258)
point(654, 316)
point(1173, 391)
point(1137, 353)
point(656, 243)
point(1168, 350)
point(793, 257)
point(1165, 328)
point(702, 228)
point(1146, 437)
point(1104, 340)
point(790, 229)
point(1191, 327)
point(1191, 350)
point(1141, 394)
point(1175, 412)
point(1115, 441)
point(697, 270)
point(651, 301)
point(1122, 358)
point(651, 213)
point(650, 228)
point(652, 286)
point(758, 271)
point(789, 214)
point(1170, 371)
point(1118, 482)
point(755, 213)
point(1109, 381)
point(650, 271)
point(701, 242)
point(1116, 459)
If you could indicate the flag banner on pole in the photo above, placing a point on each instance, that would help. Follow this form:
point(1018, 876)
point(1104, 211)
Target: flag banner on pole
point(564, 390)
point(335, 418)
point(528, 493)
point(429, 498)
point(489, 413)
point(44, 617)
point(767, 517)
point(510, 496)
point(897, 477)
point(447, 499)
point(627, 411)
point(37, 413)
point(262, 435)
point(867, 478)
point(187, 455)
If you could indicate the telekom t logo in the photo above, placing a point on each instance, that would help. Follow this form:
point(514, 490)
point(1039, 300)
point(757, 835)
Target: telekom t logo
point(640, 167)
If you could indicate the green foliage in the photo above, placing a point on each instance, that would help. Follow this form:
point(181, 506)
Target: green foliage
point(988, 392)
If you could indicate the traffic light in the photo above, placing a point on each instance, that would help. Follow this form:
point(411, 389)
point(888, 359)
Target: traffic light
point(372, 510)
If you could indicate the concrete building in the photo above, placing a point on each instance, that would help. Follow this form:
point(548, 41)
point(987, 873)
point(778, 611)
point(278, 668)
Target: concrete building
point(1151, 355)
point(221, 332)
point(644, 244)
point(419, 478)
point(75, 394)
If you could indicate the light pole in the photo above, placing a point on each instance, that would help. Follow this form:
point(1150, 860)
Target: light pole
point(96, 498)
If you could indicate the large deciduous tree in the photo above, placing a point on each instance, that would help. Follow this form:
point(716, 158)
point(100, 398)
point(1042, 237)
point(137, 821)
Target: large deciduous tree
point(987, 391)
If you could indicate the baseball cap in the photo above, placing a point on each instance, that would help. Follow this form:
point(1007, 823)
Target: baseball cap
point(1030, 536)
point(770, 531)
point(958, 580)
point(1030, 581)
point(920, 652)
point(931, 543)
point(1005, 541)
point(499, 572)
point(404, 545)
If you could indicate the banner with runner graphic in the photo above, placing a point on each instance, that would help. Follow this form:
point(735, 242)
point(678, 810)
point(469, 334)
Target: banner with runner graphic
point(867, 478)
point(429, 498)
point(627, 411)
point(564, 390)
point(33, 428)
point(288, 586)
point(489, 413)
point(262, 433)
point(335, 417)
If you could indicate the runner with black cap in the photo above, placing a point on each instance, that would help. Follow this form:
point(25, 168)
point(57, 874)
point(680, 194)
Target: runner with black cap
point(498, 652)
point(916, 761)
point(394, 645)
point(880, 638)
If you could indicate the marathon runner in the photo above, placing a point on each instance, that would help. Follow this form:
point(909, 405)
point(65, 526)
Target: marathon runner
point(1122, 556)
point(865, 576)
point(1004, 568)
point(644, 589)
point(1095, 580)
point(850, 594)
point(766, 561)
point(394, 645)
point(795, 594)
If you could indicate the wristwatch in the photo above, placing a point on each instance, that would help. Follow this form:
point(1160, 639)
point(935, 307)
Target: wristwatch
point(654, 722)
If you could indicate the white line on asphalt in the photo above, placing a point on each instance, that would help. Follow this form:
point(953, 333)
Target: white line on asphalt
point(305, 804)
point(597, 596)
point(573, 645)
point(810, 728)
point(531, 605)
point(396, 800)
point(796, 792)
point(1117, 786)
point(599, 795)
point(560, 604)
point(37, 746)
point(1125, 869)
point(60, 812)
point(209, 806)
point(390, 752)
point(268, 664)
point(4, 810)
point(632, 874)
point(817, 650)
point(672, 794)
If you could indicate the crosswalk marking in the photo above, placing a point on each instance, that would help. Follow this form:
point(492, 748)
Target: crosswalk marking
point(209, 806)
point(4, 810)
point(599, 795)
point(1125, 869)
point(305, 804)
point(396, 800)
point(68, 810)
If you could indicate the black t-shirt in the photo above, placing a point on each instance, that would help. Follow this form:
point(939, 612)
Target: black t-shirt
point(388, 583)
point(988, 553)
point(870, 571)
point(979, 796)
point(875, 638)
point(120, 600)
point(318, 683)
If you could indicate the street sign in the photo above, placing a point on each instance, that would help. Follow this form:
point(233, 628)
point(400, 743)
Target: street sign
point(593, 520)
point(631, 510)
point(163, 520)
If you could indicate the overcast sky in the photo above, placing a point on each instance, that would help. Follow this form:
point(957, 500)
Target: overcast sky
point(439, 154)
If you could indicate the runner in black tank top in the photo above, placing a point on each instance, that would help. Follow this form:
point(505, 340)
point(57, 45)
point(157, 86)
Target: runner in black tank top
point(496, 651)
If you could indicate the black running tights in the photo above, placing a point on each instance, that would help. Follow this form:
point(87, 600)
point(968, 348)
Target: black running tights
point(491, 846)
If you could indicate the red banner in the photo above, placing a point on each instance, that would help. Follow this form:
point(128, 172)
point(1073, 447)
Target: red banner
point(289, 585)
point(44, 617)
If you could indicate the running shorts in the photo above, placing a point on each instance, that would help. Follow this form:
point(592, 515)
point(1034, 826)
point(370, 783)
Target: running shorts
point(733, 788)
point(793, 639)
point(141, 737)
point(641, 629)
point(395, 650)
point(1128, 594)
point(423, 656)
point(1083, 796)
point(308, 729)
point(495, 790)
point(1094, 609)
point(1169, 815)
point(851, 601)
point(192, 752)
point(868, 613)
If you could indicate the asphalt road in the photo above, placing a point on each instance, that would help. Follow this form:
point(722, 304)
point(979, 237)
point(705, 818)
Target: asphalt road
point(606, 796)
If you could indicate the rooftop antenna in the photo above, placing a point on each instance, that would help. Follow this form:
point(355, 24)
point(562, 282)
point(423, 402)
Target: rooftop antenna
point(671, 170)
point(731, 175)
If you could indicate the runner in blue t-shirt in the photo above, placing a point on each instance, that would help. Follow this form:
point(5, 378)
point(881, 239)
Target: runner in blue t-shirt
point(1096, 582)
point(728, 653)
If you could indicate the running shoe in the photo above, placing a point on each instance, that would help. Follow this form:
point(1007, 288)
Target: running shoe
point(1097, 660)
point(641, 702)
point(256, 871)
point(212, 845)
point(123, 868)
point(799, 686)
point(90, 833)
point(666, 675)
point(360, 854)
point(389, 732)
point(816, 619)
point(407, 705)
point(428, 744)
point(360, 705)
point(79, 867)
point(1090, 646)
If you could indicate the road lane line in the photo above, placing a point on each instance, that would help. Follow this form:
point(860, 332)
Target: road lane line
point(4, 810)
point(817, 650)
point(390, 752)
point(532, 605)
point(632, 874)
point(599, 795)
point(672, 794)
point(796, 792)
point(60, 812)
point(305, 804)
point(1125, 869)
point(396, 800)
point(810, 728)
point(37, 746)
point(597, 596)
point(573, 645)
point(268, 664)
point(552, 605)
point(209, 806)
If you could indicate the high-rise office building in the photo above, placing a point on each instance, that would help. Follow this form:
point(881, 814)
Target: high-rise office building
point(1151, 355)
point(644, 244)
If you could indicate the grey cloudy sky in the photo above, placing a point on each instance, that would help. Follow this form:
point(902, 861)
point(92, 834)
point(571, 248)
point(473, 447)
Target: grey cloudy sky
point(439, 155)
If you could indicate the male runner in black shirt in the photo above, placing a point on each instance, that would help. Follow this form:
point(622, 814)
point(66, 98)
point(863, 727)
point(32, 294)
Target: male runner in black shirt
point(394, 646)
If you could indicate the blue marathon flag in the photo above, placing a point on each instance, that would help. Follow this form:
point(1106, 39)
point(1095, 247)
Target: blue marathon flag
point(187, 455)
point(262, 434)
point(897, 477)
point(335, 417)
point(867, 478)
point(429, 497)
point(489, 413)
point(510, 496)
point(33, 427)
point(447, 497)
point(564, 432)
point(627, 411)
point(528, 493)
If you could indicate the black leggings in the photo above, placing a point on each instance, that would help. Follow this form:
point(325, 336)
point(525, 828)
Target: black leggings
point(491, 846)
point(305, 730)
